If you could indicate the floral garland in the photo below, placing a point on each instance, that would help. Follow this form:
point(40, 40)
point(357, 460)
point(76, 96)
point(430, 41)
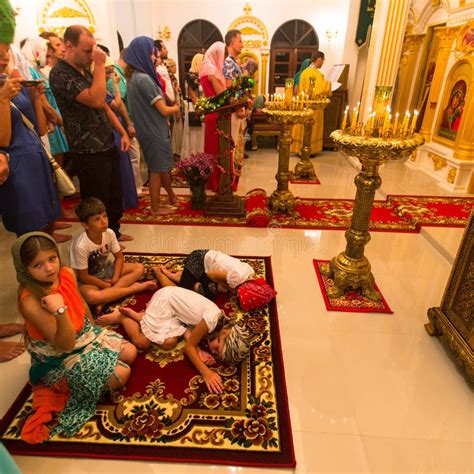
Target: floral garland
point(239, 89)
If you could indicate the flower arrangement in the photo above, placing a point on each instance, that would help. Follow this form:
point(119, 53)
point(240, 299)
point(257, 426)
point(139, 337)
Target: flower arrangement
point(197, 167)
point(239, 90)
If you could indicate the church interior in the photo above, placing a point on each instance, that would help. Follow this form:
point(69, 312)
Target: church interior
point(366, 392)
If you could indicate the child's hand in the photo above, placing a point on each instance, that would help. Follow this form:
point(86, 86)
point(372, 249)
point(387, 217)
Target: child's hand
point(206, 357)
point(214, 382)
point(52, 302)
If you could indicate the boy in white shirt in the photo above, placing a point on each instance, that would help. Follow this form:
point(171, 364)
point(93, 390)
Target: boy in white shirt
point(102, 279)
point(173, 312)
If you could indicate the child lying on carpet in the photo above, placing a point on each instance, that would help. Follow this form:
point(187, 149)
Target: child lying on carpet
point(102, 280)
point(207, 272)
point(66, 348)
point(170, 314)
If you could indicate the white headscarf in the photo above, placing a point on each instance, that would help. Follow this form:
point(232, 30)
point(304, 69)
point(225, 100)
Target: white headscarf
point(19, 62)
point(214, 62)
point(35, 51)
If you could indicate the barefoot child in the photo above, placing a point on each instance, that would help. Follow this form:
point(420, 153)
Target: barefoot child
point(207, 272)
point(102, 280)
point(61, 338)
point(173, 312)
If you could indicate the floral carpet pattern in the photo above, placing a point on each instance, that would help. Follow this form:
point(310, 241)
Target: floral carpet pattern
point(353, 301)
point(395, 214)
point(166, 413)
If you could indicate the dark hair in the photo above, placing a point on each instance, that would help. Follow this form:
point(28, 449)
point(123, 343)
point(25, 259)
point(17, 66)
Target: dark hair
point(48, 34)
point(104, 49)
point(89, 207)
point(230, 35)
point(318, 54)
point(74, 32)
point(159, 44)
point(122, 53)
point(22, 42)
point(30, 248)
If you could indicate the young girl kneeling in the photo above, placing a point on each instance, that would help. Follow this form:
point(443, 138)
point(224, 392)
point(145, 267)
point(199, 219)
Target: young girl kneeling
point(171, 312)
point(64, 344)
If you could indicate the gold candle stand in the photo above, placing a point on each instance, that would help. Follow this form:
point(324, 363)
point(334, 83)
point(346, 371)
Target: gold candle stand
point(351, 270)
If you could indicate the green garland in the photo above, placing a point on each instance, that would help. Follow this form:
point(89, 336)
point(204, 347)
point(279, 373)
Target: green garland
point(237, 91)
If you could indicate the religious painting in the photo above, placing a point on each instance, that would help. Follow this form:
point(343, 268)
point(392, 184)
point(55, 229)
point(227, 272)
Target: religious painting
point(453, 111)
point(465, 42)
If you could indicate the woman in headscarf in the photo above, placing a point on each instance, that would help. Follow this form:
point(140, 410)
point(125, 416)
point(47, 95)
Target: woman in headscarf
point(305, 64)
point(213, 83)
point(149, 111)
point(35, 51)
point(192, 77)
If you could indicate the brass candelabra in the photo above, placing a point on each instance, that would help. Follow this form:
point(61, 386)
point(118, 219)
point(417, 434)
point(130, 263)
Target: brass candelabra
point(304, 168)
point(372, 143)
point(285, 110)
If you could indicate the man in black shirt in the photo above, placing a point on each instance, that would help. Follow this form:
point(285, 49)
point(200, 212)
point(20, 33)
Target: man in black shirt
point(88, 122)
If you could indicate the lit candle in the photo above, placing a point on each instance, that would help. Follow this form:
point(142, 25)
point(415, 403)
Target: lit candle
point(395, 124)
point(288, 91)
point(344, 119)
point(354, 118)
point(386, 120)
point(406, 121)
point(413, 121)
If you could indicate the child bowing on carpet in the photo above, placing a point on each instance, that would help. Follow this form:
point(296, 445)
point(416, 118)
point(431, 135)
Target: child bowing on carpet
point(207, 272)
point(174, 312)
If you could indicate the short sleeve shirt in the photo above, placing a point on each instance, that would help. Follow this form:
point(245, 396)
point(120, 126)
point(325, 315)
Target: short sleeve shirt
point(87, 129)
point(87, 254)
point(231, 69)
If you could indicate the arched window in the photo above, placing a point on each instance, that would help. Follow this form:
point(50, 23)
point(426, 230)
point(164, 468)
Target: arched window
point(292, 43)
point(195, 37)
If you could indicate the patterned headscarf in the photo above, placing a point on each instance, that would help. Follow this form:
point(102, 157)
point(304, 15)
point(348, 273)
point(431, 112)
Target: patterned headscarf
point(138, 56)
point(7, 22)
point(214, 62)
point(35, 51)
point(236, 345)
point(19, 62)
point(22, 274)
point(305, 64)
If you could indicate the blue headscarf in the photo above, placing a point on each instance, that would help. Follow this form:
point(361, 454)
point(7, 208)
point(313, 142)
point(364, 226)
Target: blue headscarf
point(138, 56)
point(304, 65)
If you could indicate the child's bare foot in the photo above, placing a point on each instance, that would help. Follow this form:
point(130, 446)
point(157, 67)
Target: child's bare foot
point(60, 238)
point(111, 318)
point(171, 275)
point(125, 238)
point(158, 270)
point(161, 211)
point(130, 313)
point(61, 225)
point(7, 330)
point(10, 350)
point(144, 286)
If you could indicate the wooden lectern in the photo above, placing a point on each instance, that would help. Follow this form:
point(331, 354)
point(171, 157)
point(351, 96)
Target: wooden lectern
point(224, 203)
point(334, 112)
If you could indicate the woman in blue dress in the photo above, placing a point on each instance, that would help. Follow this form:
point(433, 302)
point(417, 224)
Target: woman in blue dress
point(149, 111)
point(28, 198)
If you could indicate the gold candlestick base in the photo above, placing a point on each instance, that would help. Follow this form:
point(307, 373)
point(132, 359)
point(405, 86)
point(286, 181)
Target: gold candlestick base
point(282, 199)
point(304, 168)
point(351, 269)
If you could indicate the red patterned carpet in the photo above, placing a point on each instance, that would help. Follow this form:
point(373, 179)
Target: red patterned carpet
point(352, 302)
point(396, 214)
point(166, 414)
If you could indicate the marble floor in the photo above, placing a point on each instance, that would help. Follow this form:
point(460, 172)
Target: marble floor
point(367, 392)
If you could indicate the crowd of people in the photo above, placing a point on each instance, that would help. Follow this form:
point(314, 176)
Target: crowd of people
point(65, 97)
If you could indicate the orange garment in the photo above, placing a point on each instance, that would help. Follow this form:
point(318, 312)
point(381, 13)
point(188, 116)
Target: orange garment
point(46, 400)
point(76, 309)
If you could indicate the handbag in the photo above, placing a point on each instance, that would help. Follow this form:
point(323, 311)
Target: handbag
point(64, 183)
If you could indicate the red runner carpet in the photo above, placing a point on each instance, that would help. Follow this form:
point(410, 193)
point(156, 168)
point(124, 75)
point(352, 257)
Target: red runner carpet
point(352, 302)
point(165, 413)
point(396, 214)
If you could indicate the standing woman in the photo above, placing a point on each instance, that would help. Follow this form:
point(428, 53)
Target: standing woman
point(28, 198)
point(149, 110)
point(177, 132)
point(213, 83)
